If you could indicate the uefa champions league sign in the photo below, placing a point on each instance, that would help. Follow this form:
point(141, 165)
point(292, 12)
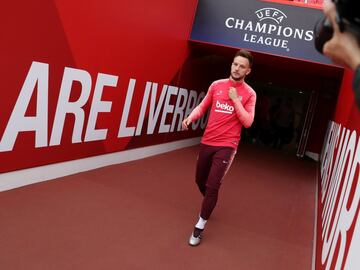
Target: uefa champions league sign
point(273, 28)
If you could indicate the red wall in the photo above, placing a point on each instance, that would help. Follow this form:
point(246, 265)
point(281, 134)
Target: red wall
point(338, 228)
point(142, 40)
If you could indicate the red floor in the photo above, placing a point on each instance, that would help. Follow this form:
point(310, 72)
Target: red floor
point(139, 215)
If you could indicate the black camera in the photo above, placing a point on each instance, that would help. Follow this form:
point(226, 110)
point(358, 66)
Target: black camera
point(348, 19)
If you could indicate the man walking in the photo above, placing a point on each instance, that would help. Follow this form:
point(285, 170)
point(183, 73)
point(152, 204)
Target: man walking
point(232, 106)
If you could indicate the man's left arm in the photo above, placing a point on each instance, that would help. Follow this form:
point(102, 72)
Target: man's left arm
point(245, 113)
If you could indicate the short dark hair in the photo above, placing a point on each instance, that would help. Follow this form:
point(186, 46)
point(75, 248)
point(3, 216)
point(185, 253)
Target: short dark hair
point(246, 54)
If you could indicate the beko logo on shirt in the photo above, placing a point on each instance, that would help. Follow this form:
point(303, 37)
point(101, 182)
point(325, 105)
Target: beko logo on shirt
point(224, 107)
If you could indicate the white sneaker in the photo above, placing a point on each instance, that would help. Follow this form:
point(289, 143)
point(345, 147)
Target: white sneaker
point(193, 240)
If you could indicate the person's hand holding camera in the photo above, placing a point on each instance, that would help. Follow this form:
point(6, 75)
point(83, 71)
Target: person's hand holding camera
point(343, 48)
point(337, 35)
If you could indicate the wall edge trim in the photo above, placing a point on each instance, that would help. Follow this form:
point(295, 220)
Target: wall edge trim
point(34, 175)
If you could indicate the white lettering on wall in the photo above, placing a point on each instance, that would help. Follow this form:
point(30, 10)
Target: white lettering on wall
point(65, 106)
point(164, 112)
point(98, 106)
point(155, 108)
point(168, 108)
point(340, 195)
point(179, 109)
point(125, 131)
point(143, 108)
point(191, 104)
point(18, 122)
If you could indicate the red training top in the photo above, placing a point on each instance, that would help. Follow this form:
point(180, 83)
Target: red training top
point(226, 116)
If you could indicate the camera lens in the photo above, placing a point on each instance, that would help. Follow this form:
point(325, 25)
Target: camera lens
point(323, 32)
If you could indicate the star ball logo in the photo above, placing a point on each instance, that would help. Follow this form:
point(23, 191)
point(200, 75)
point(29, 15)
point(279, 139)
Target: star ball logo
point(269, 29)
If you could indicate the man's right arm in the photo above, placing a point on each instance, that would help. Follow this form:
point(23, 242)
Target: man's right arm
point(199, 110)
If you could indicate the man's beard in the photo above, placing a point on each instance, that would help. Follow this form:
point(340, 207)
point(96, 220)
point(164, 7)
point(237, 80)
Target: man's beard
point(237, 78)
